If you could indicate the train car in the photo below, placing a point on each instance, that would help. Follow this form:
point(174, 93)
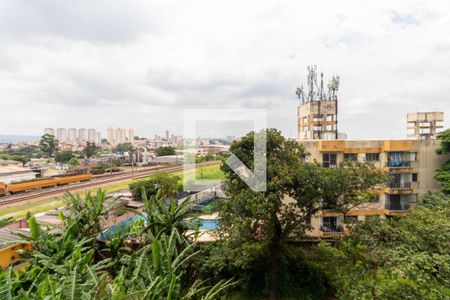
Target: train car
point(30, 185)
point(2, 189)
point(73, 178)
point(44, 183)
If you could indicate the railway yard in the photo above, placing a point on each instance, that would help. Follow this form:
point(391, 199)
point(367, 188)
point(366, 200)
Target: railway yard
point(42, 199)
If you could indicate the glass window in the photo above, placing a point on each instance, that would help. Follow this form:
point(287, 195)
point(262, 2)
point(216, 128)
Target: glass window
point(329, 160)
point(372, 156)
point(414, 177)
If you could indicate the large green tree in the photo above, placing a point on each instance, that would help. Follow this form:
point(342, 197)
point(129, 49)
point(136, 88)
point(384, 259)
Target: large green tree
point(443, 174)
point(64, 156)
point(90, 149)
point(165, 150)
point(48, 144)
point(259, 224)
point(165, 184)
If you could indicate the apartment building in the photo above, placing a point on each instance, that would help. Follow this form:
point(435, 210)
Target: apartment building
point(117, 136)
point(411, 165)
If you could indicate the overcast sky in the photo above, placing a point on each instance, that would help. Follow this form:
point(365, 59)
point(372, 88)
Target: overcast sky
point(139, 63)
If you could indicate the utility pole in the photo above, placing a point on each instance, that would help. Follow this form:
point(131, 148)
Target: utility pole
point(132, 164)
point(111, 165)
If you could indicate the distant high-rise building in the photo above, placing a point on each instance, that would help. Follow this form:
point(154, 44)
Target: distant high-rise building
point(110, 136)
point(117, 136)
point(167, 135)
point(120, 135)
point(50, 131)
point(130, 135)
point(82, 134)
point(91, 135)
point(72, 135)
point(98, 138)
point(61, 134)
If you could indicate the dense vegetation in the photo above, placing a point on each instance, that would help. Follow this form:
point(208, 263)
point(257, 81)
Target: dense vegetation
point(262, 250)
point(151, 260)
point(405, 258)
point(167, 185)
point(443, 174)
point(165, 150)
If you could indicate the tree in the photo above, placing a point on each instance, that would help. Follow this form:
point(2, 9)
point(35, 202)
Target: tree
point(122, 148)
point(73, 162)
point(443, 174)
point(48, 144)
point(261, 223)
point(165, 150)
point(64, 156)
point(90, 149)
point(405, 258)
point(254, 220)
point(166, 184)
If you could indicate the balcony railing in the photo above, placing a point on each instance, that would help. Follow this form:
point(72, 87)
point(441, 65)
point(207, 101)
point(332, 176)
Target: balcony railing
point(398, 163)
point(399, 185)
point(397, 207)
point(332, 229)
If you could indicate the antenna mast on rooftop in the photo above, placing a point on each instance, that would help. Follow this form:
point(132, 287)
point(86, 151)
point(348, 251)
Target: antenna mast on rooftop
point(317, 113)
point(316, 91)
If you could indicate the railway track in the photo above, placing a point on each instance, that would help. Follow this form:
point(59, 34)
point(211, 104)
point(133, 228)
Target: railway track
point(96, 181)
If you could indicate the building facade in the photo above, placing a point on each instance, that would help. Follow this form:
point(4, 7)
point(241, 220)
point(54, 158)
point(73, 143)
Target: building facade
point(82, 135)
point(61, 134)
point(72, 135)
point(424, 125)
point(411, 165)
point(317, 120)
point(117, 136)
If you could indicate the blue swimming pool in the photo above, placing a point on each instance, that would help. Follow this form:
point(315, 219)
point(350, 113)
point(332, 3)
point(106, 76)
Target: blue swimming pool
point(122, 226)
point(209, 225)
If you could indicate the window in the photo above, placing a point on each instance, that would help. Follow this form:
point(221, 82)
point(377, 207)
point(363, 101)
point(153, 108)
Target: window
point(329, 160)
point(414, 177)
point(330, 224)
point(351, 156)
point(372, 156)
point(376, 198)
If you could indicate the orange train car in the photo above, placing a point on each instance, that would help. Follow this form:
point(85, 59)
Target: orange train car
point(2, 189)
point(43, 183)
point(73, 178)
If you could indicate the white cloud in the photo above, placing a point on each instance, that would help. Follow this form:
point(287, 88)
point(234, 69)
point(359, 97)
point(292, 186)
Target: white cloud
point(137, 64)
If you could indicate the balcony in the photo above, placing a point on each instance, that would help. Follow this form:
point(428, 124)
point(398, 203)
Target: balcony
point(399, 162)
point(331, 231)
point(399, 204)
point(397, 207)
point(396, 187)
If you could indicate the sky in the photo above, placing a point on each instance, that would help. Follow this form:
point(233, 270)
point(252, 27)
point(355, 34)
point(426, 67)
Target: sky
point(138, 64)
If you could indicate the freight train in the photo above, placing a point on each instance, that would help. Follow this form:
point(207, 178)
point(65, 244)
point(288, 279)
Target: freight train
point(12, 188)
